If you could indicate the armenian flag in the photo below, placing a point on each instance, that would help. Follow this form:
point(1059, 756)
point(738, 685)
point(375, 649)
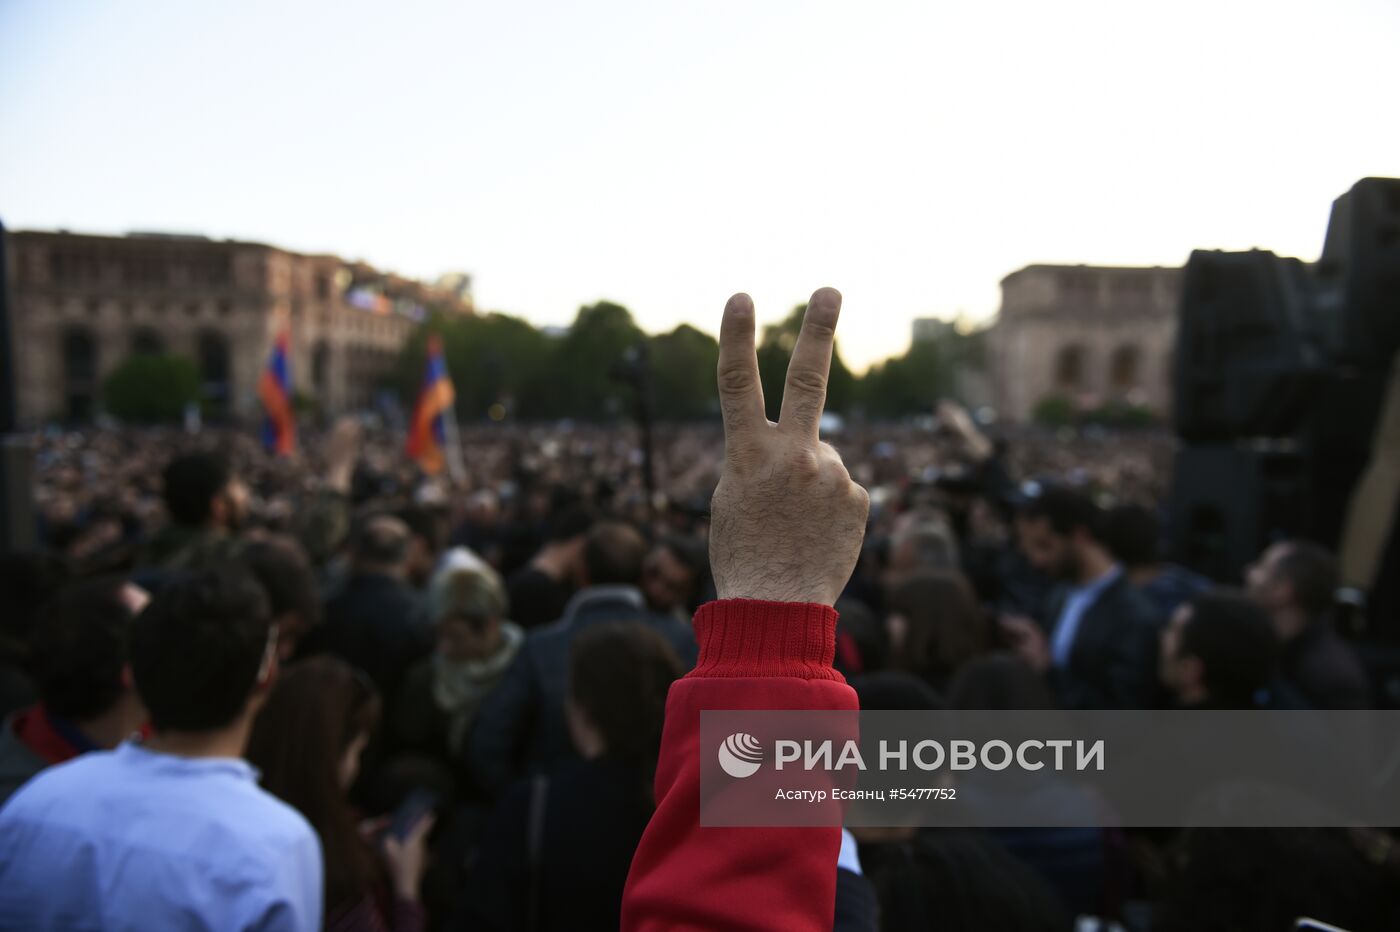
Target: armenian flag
point(275, 390)
point(432, 433)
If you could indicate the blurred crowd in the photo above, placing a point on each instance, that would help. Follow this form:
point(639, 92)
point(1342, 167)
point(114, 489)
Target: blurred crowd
point(459, 682)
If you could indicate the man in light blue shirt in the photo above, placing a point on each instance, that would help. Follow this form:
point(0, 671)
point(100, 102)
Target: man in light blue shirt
point(1078, 600)
point(174, 833)
point(1100, 652)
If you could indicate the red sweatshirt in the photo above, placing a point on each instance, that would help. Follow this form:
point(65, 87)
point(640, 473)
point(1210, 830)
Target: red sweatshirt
point(753, 655)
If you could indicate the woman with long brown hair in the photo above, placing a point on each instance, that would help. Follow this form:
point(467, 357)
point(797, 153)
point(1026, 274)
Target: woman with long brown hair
point(935, 625)
point(556, 853)
point(307, 742)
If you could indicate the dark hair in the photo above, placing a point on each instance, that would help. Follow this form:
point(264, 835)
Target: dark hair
point(80, 647)
point(427, 523)
point(1232, 636)
point(1066, 509)
point(956, 879)
point(191, 482)
point(380, 540)
point(573, 521)
point(614, 553)
point(197, 648)
point(27, 581)
point(1312, 572)
point(935, 542)
point(280, 565)
point(1228, 879)
point(893, 690)
point(1132, 534)
point(619, 674)
point(946, 625)
point(858, 628)
point(690, 553)
point(316, 710)
point(1002, 681)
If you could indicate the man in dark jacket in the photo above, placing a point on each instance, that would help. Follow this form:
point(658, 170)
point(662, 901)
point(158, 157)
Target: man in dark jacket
point(376, 621)
point(1218, 652)
point(1294, 581)
point(1133, 535)
point(540, 590)
point(1100, 650)
point(521, 725)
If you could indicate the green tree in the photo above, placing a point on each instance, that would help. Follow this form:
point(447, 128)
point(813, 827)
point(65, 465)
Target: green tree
point(774, 351)
point(491, 358)
point(581, 382)
point(151, 388)
point(927, 371)
point(498, 358)
point(683, 364)
point(1122, 414)
point(1055, 411)
point(908, 384)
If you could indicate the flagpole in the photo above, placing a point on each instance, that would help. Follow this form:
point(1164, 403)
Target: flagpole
point(455, 468)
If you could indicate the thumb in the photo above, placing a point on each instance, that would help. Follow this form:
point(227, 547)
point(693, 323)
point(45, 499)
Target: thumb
point(421, 830)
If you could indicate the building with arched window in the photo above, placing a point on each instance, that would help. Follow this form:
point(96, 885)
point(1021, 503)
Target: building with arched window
point(1087, 335)
point(83, 304)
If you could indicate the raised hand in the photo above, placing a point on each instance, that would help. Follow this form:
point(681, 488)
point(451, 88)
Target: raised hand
point(786, 520)
point(342, 450)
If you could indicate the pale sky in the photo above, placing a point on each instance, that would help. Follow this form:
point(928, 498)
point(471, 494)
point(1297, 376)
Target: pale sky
point(664, 155)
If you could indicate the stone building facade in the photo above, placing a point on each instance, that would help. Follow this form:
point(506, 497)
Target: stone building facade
point(1089, 335)
point(82, 304)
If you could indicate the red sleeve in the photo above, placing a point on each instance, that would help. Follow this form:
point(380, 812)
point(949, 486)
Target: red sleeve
point(753, 655)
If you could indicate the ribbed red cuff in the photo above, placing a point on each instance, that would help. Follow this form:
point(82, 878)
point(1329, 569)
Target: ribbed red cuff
point(748, 637)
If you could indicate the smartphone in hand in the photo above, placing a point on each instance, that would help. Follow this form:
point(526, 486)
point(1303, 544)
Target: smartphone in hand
point(414, 808)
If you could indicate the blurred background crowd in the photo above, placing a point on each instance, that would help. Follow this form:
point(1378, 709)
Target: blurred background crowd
point(474, 672)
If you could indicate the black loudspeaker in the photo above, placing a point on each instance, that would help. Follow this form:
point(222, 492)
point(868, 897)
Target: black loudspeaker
point(1359, 272)
point(1337, 435)
point(1226, 500)
point(1230, 499)
point(1250, 346)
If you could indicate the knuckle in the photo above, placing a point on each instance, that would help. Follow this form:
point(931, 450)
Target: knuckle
point(832, 463)
point(820, 329)
point(802, 463)
point(861, 496)
point(735, 380)
point(810, 381)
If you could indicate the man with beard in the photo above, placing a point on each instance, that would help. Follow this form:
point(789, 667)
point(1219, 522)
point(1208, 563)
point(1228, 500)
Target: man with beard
point(1293, 581)
point(207, 504)
point(1100, 650)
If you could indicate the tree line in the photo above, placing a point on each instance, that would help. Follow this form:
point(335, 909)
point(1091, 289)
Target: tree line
point(502, 366)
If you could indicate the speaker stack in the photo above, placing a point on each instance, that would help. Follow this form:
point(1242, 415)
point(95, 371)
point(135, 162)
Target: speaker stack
point(1283, 370)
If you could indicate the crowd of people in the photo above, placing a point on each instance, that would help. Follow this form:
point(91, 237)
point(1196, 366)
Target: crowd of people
point(330, 691)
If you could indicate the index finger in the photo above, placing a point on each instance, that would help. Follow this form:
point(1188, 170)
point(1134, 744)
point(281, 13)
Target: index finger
point(804, 394)
point(740, 391)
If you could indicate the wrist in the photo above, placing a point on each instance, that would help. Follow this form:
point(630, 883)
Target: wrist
point(338, 481)
point(406, 889)
point(773, 592)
